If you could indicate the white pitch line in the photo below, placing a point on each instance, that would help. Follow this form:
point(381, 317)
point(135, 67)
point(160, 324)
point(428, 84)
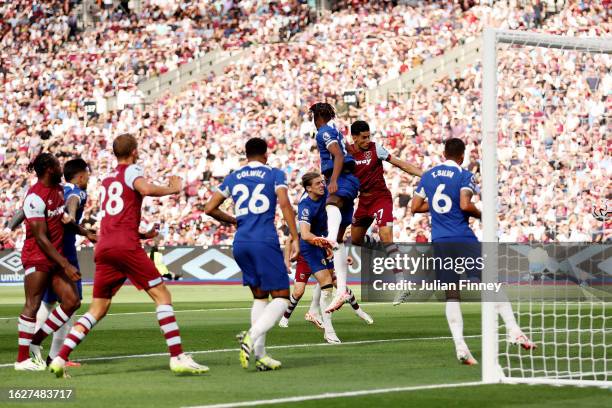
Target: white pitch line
point(198, 310)
point(339, 395)
point(284, 346)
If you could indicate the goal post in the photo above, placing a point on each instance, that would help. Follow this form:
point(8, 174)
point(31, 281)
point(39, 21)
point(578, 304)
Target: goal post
point(492, 370)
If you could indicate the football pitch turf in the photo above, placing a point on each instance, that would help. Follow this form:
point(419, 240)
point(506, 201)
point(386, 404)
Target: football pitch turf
point(390, 363)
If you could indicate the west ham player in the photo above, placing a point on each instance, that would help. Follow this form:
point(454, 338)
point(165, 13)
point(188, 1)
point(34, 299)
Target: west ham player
point(118, 256)
point(43, 261)
point(76, 174)
point(255, 190)
point(446, 192)
point(375, 199)
point(337, 165)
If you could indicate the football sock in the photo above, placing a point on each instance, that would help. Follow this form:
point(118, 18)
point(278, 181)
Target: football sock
point(271, 314)
point(56, 319)
point(257, 310)
point(167, 322)
point(455, 322)
point(25, 326)
point(75, 337)
point(292, 305)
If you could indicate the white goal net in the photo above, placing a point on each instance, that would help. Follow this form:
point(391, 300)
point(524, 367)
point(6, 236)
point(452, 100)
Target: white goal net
point(546, 175)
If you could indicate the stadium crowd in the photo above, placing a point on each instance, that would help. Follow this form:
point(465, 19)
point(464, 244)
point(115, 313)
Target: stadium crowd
point(552, 102)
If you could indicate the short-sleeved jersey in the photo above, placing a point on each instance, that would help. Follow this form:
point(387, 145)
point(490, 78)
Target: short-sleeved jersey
point(313, 212)
point(71, 190)
point(326, 136)
point(43, 204)
point(442, 186)
point(120, 209)
point(369, 169)
point(253, 189)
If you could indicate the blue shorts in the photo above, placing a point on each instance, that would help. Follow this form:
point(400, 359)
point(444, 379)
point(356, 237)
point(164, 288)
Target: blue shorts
point(315, 257)
point(51, 297)
point(461, 259)
point(348, 189)
point(262, 265)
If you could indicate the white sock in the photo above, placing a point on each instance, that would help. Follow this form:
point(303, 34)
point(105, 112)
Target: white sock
point(455, 322)
point(399, 277)
point(43, 314)
point(59, 336)
point(334, 218)
point(257, 310)
point(340, 267)
point(326, 299)
point(505, 311)
point(270, 315)
point(316, 298)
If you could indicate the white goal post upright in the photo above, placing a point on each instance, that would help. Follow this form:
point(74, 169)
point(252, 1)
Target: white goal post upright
point(491, 369)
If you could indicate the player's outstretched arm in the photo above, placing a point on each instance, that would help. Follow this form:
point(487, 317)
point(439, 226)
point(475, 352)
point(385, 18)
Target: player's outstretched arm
point(384, 154)
point(153, 190)
point(39, 230)
point(419, 205)
point(17, 219)
point(312, 239)
point(466, 204)
point(212, 209)
point(405, 166)
point(72, 207)
point(334, 149)
point(289, 216)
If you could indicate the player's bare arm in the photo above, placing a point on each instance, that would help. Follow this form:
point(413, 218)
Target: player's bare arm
point(72, 207)
point(334, 149)
point(17, 219)
point(153, 190)
point(312, 239)
point(405, 166)
point(212, 209)
point(419, 205)
point(466, 204)
point(39, 230)
point(289, 216)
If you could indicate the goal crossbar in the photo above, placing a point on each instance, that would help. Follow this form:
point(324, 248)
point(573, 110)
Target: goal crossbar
point(491, 371)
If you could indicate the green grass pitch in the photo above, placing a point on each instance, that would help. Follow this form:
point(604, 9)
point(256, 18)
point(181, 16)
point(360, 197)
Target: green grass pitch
point(407, 346)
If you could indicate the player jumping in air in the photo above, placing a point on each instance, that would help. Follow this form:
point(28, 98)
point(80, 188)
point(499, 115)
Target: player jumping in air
point(446, 192)
point(337, 165)
point(255, 190)
point(375, 200)
point(314, 255)
point(43, 261)
point(76, 174)
point(119, 255)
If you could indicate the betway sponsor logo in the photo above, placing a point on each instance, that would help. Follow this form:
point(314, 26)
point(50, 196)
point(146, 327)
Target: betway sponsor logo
point(364, 162)
point(57, 211)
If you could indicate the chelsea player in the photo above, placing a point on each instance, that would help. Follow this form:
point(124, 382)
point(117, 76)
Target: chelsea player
point(255, 190)
point(337, 165)
point(446, 192)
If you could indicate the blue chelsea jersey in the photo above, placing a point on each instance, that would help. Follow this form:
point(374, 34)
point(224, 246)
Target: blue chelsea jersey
point(71, 190)
point(313, 213)
point(253, 189)
point(326, 135)
point(441, 186)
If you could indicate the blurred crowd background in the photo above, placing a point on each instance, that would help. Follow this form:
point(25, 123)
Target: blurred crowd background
point(554, 150)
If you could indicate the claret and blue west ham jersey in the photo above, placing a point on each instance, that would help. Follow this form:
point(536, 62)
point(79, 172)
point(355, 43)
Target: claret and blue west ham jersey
point(253, 189)
point(71, 190)
point(327, 135)
point(441, 186)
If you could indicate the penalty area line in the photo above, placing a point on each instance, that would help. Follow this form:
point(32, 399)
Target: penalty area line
point(284, 346)
point(345, 394)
